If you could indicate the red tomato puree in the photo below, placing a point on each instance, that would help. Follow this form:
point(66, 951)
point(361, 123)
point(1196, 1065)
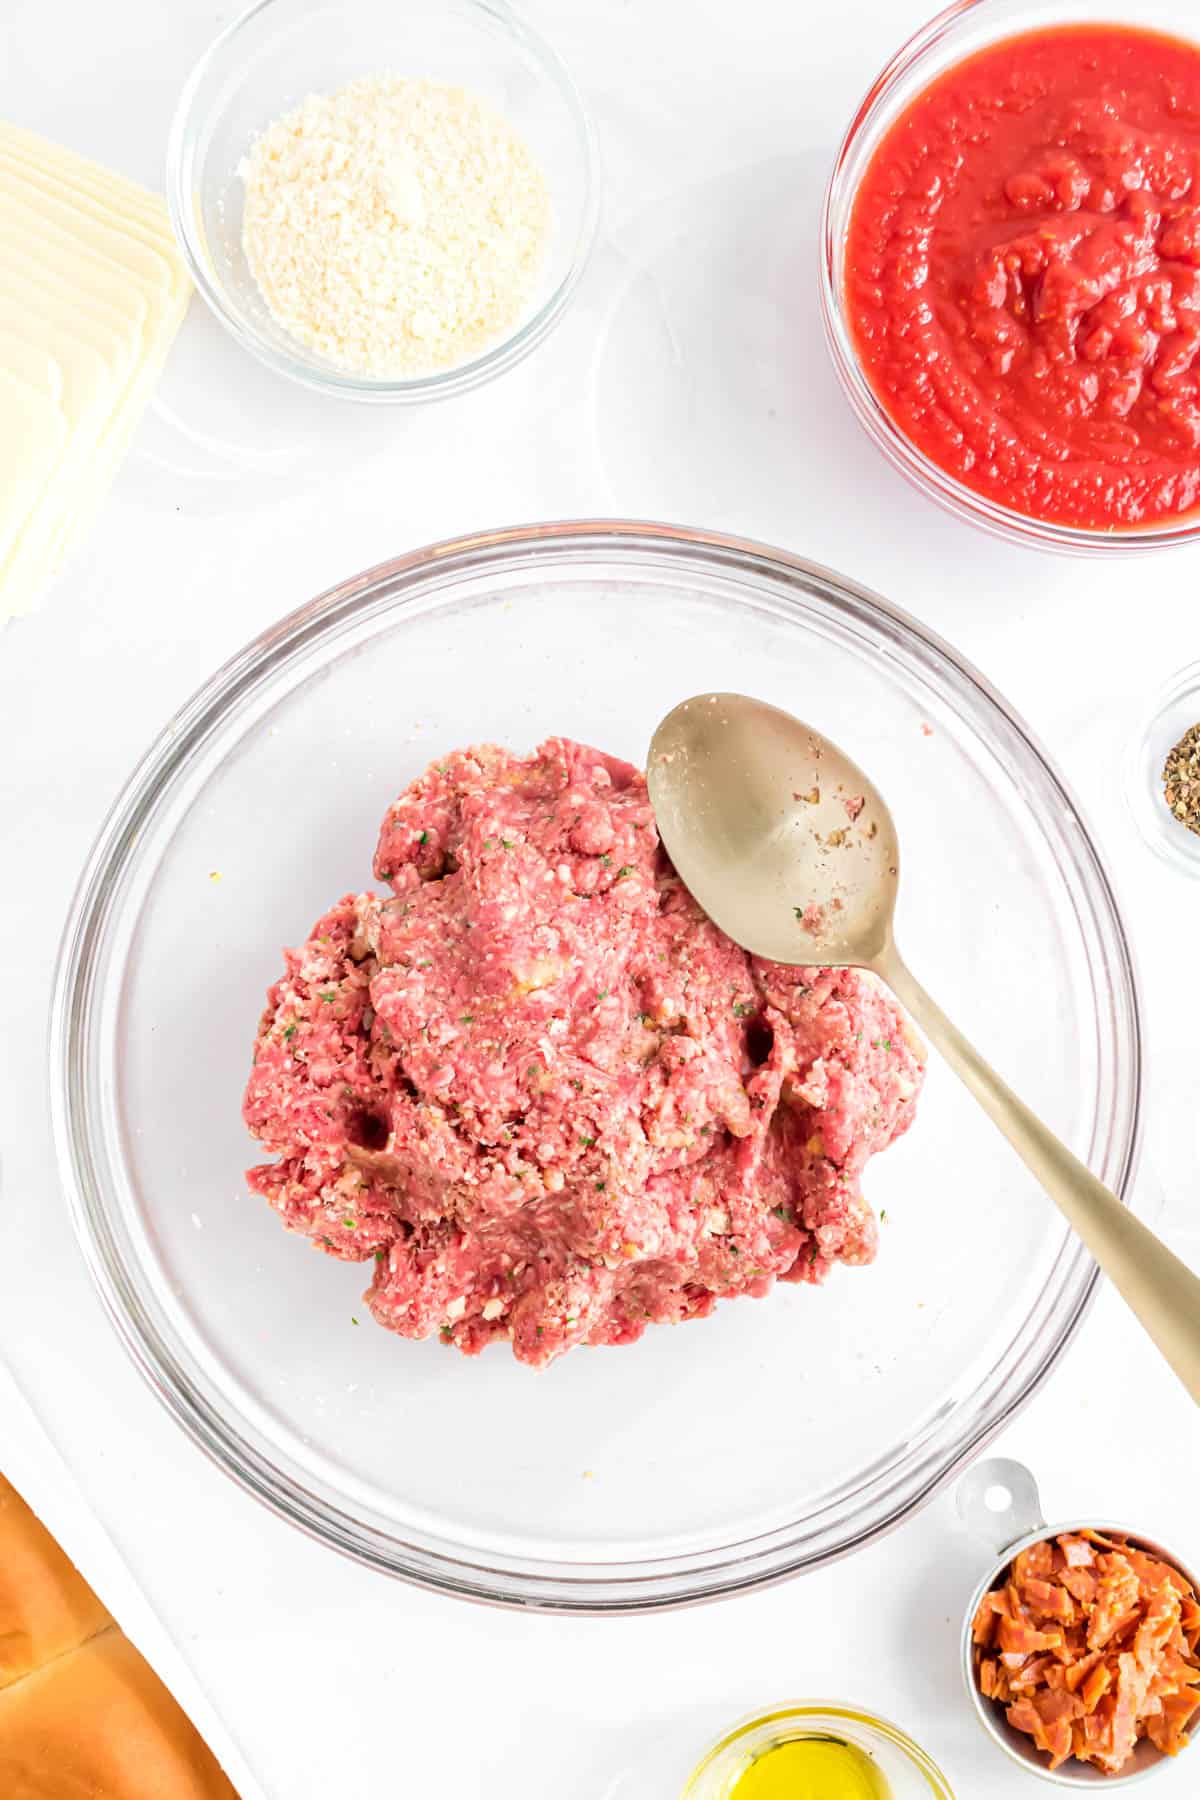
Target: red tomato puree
point(1023, 275)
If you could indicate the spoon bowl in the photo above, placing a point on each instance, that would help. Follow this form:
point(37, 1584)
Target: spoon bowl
point(791, 850)
point(785, 841)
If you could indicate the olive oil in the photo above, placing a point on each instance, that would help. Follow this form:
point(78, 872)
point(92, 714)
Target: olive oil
point(811, 1768)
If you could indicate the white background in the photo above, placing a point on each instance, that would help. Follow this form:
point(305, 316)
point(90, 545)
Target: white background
point(688, 382)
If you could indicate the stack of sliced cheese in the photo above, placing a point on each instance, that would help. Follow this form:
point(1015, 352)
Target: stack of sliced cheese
point(92, 291)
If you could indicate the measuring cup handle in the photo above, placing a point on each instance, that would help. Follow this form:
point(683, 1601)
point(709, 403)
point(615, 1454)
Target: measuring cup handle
point(999, 1503)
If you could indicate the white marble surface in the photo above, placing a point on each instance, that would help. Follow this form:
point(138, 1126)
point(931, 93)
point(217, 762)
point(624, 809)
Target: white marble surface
point(689, 383)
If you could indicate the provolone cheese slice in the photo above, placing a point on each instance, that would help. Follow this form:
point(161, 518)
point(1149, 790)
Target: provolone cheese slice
point(117, 191)
point(92, 292)
point(115, 440)
point(84, 378)
point(114, 340)
point(42, 185)
point(101, 300)
point(31, 447)
point(85, 390)
point(29, 362)
point(54, 228)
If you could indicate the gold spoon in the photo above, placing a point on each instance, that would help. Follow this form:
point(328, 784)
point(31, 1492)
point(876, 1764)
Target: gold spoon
point(762, 819)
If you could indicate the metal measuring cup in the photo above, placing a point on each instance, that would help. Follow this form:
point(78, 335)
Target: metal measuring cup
point(998, 1502)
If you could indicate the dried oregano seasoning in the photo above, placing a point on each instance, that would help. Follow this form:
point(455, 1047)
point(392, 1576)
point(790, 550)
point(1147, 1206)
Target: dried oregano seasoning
point(1181, 779)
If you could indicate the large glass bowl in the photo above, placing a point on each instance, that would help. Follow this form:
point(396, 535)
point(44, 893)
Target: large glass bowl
point(711, 1456)
point(962, 29)
point(280, 51)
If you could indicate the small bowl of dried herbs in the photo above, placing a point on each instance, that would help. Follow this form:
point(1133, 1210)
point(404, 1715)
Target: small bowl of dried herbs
point(1163, 773)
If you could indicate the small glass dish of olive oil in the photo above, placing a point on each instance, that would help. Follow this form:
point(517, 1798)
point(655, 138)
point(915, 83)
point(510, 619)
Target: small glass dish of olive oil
point(816, 1750)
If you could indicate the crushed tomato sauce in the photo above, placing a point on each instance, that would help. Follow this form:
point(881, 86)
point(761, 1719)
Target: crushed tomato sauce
point(540, 1088)
point(1022, 275)
point(1090, 1645)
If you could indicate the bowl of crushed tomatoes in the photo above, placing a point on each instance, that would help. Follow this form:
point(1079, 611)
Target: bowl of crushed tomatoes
point(1011, 270)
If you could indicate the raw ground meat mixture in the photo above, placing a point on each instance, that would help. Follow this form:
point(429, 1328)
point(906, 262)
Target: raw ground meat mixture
point(544, 1093)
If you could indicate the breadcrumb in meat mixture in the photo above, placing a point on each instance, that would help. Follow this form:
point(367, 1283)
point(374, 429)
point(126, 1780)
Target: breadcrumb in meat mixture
point(548, 1097)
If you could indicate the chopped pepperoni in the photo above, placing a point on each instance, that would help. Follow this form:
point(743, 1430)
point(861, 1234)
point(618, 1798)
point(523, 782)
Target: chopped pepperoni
point(1090, 1646)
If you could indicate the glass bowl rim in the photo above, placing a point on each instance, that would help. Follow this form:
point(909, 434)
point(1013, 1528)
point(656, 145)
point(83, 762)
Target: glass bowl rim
point(874, 115)
point(811, 1711)
point(886, 1496)
point(182, 141)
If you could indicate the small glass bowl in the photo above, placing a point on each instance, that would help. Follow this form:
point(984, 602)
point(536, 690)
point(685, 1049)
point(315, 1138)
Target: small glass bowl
point(1176, 710)
point(908, 1771)
point(960, 31)
point(999, 1503)
point(283, 50)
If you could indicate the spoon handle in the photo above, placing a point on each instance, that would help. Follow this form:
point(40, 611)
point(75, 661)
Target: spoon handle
point(1162, 1291)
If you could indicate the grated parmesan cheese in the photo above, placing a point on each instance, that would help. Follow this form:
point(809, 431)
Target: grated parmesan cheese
point(396, 226)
